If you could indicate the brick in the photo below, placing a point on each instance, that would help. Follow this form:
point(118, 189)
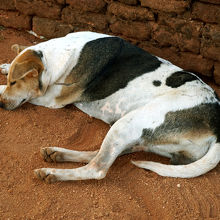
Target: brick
point(176, 6)
point(91, 20)
point(62, 2)
point(130, 12)
point(187, 44)
point(136, 30)
point(163, 35)
point(217, 73)
point(211, 33)
point(15, 20)
point(46, 9)
point(50, 28)
point(210, 51)
point(196, 63)
point(188, 27)
point(169, 53)
point(129, 2)
point(206, 12)
point(87, 5)
point(7, 4)
point(211, 1)
point(186, 60)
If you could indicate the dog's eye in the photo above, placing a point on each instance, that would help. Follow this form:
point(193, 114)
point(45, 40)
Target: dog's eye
point(12, 83)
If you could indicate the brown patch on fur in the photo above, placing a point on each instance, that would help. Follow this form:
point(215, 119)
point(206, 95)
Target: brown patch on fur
point(196, 135)
point(70, 94)
point(176, 138)
point(72, 78)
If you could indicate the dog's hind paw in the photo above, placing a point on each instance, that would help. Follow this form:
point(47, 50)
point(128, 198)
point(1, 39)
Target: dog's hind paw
point(49, 154)
point(42, 174)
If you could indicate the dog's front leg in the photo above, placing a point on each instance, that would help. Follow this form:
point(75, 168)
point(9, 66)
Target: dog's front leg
point(122, 136)
point(4, 68)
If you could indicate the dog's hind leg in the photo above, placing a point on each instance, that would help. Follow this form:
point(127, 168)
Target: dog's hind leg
point(124, 134)
point(190, 137)
point(58, 154)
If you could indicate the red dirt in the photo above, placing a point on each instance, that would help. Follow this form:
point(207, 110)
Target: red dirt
point(127, 192)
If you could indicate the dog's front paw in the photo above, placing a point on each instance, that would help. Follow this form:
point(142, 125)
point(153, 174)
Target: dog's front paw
point(49, 154)
point(45, 175)
point(5, 68)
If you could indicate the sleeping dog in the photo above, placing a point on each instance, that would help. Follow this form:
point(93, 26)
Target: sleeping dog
point(155, 106)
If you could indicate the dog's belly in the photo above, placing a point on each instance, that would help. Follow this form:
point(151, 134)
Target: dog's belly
point(137, 93)
point(141, 91)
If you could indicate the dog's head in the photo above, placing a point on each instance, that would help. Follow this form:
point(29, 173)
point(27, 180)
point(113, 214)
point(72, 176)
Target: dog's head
point(23, 81)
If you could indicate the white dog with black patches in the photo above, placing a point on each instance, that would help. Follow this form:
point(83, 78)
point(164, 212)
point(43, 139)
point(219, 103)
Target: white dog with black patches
point(155, 106)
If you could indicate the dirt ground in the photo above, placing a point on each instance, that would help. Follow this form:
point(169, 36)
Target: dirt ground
point(127, 192)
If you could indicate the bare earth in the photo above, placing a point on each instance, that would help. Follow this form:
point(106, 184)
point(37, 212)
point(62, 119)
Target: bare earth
point(127, 192)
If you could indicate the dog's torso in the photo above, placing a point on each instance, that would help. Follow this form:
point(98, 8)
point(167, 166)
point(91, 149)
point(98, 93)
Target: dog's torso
point(107, 77)
point(145, 89)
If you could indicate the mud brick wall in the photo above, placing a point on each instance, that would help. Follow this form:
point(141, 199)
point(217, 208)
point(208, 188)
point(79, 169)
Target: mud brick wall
point(185, 32)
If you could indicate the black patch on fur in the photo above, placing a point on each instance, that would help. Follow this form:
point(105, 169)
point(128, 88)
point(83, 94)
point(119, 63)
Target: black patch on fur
point(156, 83)
point(179, 78)
point(38, 53)
point(108, 64)
point(202, 117)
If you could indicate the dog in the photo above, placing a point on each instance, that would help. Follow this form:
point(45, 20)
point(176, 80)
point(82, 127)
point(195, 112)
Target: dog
point(152, 105)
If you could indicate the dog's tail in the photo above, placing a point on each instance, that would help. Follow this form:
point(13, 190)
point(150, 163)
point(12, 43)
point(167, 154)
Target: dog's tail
point(209, 161)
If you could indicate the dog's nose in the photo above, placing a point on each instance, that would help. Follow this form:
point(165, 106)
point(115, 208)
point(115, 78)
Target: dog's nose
point(1, 104)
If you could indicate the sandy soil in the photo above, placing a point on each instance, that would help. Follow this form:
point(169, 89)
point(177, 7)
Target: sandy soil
point(126, 193)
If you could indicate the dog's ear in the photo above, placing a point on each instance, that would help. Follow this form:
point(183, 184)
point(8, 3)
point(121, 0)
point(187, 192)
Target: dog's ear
point(29, 63)
point(21, 70)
